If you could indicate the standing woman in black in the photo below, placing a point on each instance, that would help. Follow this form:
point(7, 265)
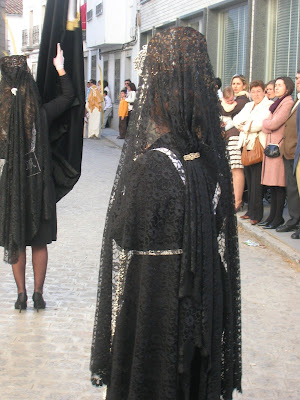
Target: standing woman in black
point(27, 193)
point(167, 323)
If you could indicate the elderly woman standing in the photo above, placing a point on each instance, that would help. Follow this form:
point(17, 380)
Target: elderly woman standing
point(273, 168)
point(239, 85)
point(249, 123)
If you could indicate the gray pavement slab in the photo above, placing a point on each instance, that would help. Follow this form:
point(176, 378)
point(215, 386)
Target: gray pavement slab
point(46, 355)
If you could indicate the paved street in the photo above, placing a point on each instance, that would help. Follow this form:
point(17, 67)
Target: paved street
point(45, 355)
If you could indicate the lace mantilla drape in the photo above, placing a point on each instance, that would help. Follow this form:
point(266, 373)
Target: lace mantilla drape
point(167, 323)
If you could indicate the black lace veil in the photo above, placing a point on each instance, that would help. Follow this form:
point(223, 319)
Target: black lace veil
point(24, 158)
point(174, 146)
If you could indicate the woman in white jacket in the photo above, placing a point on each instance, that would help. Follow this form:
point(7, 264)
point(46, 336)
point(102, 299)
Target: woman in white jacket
point(249, 122)
point(130, 98)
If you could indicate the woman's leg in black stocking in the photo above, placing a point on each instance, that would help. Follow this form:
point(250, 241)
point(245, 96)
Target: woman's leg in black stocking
point(39, 262)
point(280, 199)
point(19, 272)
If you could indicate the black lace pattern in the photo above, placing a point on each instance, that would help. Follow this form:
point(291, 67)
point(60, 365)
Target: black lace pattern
point(167, 322)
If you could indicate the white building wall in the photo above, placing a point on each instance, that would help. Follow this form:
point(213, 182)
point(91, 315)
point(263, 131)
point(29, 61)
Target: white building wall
point(33, 15)
point(110, 36)
point(158, 12)
point(14, 26)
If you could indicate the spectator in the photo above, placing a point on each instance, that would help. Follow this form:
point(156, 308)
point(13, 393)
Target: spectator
point(270, 90)
point(227, 106)
point(296, 235)
point(218, 83)
point(126, 82)
point(88, 87)
point(288, 149)
point(105, 84)
point(249, 122)
point(123, 115)
point(239, 85)
point(107, 108)
point(130, 98)
point(273, 168)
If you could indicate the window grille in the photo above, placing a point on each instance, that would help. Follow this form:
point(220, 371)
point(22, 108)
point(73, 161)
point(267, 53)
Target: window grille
point(285, 31)
point(24, 37)
point(233, 54)
point(36, 34)
point(99, 9)
point(89, 15)
point(117, 79)
point(93, 67)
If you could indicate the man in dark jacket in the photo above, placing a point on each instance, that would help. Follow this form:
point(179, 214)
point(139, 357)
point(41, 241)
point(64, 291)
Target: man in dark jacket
point(288, 151)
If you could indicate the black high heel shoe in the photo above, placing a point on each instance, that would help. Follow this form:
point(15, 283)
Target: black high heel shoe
point(21, 303)
point(38, 301)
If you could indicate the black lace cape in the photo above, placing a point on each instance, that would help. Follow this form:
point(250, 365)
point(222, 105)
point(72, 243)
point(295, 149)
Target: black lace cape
point(167, 323)
point(25, 181)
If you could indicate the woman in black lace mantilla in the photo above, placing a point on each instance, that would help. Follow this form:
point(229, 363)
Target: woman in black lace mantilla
point(27, 193)
point(167, 322)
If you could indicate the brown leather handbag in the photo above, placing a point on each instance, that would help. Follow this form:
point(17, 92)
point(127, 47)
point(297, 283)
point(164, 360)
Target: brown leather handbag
point(254, 156)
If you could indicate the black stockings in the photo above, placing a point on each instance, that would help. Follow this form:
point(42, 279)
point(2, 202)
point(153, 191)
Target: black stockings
point(277, 203)
point(39, 262)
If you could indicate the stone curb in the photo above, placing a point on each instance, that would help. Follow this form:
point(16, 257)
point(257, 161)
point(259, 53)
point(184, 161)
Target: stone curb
point(271, 241)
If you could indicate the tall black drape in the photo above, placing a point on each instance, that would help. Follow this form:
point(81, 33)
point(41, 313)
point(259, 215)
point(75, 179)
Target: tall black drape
point(66, 132)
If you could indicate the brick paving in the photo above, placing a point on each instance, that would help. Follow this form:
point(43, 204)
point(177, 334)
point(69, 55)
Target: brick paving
point(45, 355)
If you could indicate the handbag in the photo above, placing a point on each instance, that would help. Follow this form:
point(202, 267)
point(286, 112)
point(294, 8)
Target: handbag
point(254, 156)
point(272, 149)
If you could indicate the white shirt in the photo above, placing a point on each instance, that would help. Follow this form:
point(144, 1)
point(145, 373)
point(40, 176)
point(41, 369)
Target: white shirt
point(108, 102)
point(130, 99)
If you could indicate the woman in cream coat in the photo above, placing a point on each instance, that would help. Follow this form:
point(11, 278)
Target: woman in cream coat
point(250, 119)
point(273, 168)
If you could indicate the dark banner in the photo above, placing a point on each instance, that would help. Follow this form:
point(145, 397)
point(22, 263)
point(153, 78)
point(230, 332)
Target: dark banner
point(62, 25)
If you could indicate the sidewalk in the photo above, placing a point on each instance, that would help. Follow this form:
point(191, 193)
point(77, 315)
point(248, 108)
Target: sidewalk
point(280, 242)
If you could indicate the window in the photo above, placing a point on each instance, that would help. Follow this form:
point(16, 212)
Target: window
point(89, 15)
point(24, 37)
point(117, 79)
point(93, 67)
point(105, 70)
point(284, 16)
point(36, 34)
point(233, 30)
point(99, 9)
point(196, 23)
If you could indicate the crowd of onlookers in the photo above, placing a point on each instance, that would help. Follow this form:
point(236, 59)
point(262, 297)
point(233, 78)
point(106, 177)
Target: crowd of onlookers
point(261, 126)
point(98, 101)
point(255, 118)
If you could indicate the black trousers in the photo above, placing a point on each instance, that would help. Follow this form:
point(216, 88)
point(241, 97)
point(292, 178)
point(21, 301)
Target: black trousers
point(122, 127)
point(277, 203)
point(255, 191)
point(293, 198)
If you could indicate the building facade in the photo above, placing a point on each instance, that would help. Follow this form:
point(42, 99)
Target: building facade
point(112, 43)
point(33, 18)
point(257, 38)
point(2, 28)
point(13, 26)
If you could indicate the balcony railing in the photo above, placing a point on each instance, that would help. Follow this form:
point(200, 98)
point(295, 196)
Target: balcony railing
point(24, 37)
point(35, 34)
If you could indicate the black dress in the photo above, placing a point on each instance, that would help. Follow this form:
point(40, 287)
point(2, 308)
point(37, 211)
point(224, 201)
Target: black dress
point(27, 191)
point(48, 228)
